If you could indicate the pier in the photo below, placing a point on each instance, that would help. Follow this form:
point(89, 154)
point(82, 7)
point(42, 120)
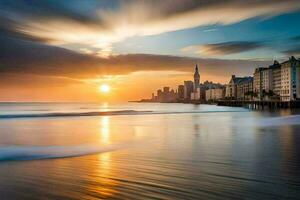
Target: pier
point(259, 104)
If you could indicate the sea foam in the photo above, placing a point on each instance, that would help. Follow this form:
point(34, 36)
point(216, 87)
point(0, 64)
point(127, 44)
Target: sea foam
point(50, 152)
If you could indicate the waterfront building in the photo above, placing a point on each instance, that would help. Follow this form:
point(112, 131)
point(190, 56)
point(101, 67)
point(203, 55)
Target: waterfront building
point(197, 90)
point(210, 84)
point(188, 89)
point(159, 96)
point(196, 94)
point(166, 90)
point(262, 82)
point(257, 83)
point(165, 95)
point(245, 88)
point(290, 78)
point(239, 87)
point(231, 87)
point(180, 91)
point(276, 79)
point(266, 80)
point(202, 90)
point(214, 94)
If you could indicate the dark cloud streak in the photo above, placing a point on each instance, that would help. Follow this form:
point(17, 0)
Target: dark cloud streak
point(230, 47)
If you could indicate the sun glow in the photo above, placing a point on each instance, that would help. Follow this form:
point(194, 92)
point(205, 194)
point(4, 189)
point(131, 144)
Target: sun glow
point(104, 88)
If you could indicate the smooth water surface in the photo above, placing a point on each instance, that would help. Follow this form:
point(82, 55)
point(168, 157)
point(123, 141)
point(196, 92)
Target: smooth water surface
point(147, 151)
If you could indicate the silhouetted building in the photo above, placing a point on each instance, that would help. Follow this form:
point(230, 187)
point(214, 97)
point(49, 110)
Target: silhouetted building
point(166, 90)
point(180, 91)
point(165, 95)
point(188, 89)
point(196, 78)
point(196, 94)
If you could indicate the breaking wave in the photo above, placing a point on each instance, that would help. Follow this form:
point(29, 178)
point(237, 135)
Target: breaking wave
point(106, 113)
point(14, 153)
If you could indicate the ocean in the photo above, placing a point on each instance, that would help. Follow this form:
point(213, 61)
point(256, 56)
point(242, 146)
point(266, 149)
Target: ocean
point(147, 151)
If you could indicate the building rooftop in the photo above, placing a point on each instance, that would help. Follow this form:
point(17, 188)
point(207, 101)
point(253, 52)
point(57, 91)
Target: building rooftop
point(240, 80)
point(276, 64)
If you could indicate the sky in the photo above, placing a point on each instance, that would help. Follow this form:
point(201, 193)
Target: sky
point(56, 50)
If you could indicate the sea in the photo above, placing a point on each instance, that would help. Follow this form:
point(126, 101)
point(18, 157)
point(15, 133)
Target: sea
point(88, 151)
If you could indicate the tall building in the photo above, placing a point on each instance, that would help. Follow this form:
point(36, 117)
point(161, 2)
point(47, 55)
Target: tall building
point(290, 80)
point(165, 95)
point(188, 89)
point(257, 89)
point(166, 90)
point(276, 79)
point(180, 91)
point(263, 79)
point(196, 94)
point(245, 88)
point(196, 78)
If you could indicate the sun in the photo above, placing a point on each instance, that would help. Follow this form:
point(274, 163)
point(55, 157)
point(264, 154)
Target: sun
point(104, 88)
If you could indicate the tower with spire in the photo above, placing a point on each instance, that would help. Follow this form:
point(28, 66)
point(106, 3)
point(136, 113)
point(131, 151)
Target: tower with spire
point(196, 78)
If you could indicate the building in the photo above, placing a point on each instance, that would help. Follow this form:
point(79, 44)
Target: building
point(231, 87)
point(181, 92)
point(230, 92)
point(210, 84)
point(196, 94)
point(239, 87)
point(214, 94)
point(196, 78)
point(257, 83)
point(276, 79)
point(165, 95)
point(245, 88)
point(263, 83)
point(290, 77)
point(266, 80)
point(188, 89)
point(202, 92)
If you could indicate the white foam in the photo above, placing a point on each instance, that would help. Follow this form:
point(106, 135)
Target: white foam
point(50, 152)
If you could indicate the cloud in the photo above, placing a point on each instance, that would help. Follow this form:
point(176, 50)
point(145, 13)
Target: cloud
point(27, 57)
point(36, 81)
point(297, 38)
point(95, 26)
point(223, 48)
point(293, 51)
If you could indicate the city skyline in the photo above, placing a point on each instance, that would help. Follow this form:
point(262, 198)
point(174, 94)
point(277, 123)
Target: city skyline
point(66, 50)
point(279, 82)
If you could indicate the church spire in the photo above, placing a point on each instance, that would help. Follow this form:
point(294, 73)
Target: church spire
point(196, 77)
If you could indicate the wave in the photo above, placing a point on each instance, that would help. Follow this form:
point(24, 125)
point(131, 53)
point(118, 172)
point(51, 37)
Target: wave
point(72, 114)
point(19, 153)
point(107, 113)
